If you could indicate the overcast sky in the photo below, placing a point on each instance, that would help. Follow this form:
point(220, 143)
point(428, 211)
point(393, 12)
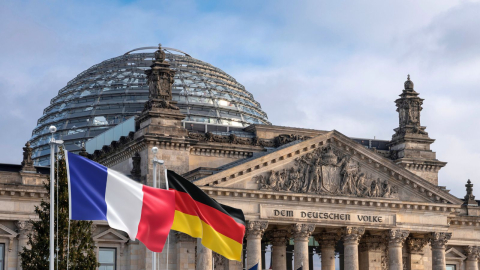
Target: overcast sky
point(311, 64)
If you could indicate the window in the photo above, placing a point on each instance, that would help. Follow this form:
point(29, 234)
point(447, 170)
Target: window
point(2, 256)
point(451, 267)
point(106, 258)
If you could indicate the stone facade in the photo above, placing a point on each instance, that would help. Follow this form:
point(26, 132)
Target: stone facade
point(310, 197)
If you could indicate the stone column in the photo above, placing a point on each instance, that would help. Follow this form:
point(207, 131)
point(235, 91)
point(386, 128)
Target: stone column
point(351, 238)
point(204, 257)
point(472, 257)
point(327, 241)
point(415, 248)
point(396, 238)
point(255, 230)
point(301, 233)
point(24, 228)
point(185, 251)
point(371, 248)
point(438, 241)
point(279, 239)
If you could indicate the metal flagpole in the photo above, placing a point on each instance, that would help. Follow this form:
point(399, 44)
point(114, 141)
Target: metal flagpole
point(168, 235)
point(155, 162)
point(53, 144)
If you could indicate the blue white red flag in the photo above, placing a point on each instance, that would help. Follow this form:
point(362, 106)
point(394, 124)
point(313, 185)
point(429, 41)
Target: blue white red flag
point(100, 193)
point(255, 267)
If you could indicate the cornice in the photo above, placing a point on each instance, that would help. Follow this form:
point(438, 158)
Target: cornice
point(276, 197)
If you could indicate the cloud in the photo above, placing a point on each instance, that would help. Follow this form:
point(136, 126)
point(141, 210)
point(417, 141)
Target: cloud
point(315, 64)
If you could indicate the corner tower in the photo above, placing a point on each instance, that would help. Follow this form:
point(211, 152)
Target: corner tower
point(410, 145)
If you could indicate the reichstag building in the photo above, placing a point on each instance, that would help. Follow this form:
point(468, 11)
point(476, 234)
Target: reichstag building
point(314, 199)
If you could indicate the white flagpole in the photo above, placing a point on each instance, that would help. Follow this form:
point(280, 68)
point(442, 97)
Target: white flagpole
point(166, 187)
point(155, 162)
point(154, 151)
point(53, 144)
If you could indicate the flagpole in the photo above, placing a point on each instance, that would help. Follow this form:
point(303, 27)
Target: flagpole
point(154, 151)
point(53, 144)
point(155, 162)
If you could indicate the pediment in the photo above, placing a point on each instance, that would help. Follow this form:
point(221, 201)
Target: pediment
point(330, 164)
point(110, 235)
point(454, 253)
point(6, 232)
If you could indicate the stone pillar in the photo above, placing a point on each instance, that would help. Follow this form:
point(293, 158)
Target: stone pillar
point(23, 228)
point(185, 251)
point(301, 233)
point(396, 238)
point(204, 257)
point(438, 241)
point(279, 239)
point(371, 248)
point(351, 239)
point(415, 248)
point(255, 230)
point(327, 241)
point(472, 257)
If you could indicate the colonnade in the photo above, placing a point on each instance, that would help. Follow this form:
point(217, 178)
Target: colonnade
point(371, 246)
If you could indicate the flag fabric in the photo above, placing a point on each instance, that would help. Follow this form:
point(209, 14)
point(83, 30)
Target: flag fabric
point(220, 227)
point(100, 193)
point(255, 267)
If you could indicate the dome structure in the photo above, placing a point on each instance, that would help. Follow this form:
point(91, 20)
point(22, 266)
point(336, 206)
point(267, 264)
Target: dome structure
point(114, 90)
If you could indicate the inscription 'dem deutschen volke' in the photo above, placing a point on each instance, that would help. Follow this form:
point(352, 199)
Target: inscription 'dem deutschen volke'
point(320, 215)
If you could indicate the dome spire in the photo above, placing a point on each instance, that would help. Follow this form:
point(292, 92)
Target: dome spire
point(408, 83)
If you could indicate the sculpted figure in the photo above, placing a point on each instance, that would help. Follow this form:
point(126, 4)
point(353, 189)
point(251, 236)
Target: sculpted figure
point(315, 175)
point(273, 180)
point(349, 172)
point(293, 180)
point(387, 189)
point(362, 188)
point(375, 189)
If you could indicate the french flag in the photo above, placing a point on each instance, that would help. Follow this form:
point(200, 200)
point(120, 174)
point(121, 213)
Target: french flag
point(99, 193)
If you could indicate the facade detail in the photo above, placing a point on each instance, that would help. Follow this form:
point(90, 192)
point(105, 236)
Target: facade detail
point(310, 197)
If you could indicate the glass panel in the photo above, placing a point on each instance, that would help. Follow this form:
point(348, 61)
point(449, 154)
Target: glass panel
point(106, 255)
point(451, 267)
point(2, 255)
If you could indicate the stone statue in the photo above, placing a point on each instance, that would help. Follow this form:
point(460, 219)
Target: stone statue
point(160, 79)
point(27, 162)
point(362, 188)
point(387, 189)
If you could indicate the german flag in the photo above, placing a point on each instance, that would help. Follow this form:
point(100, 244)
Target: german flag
point(221, 227)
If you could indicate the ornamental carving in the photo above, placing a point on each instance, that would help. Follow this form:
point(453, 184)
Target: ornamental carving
point(439, 239)
point(218, 261)
point(256, 228)
point(416, 245)
point(136, 170)
point(328, 172)
point(372, 243)
point(234, 139)
point(352, 235)
point(328, 239)
point(472, 253)
point(300, 230)
point(278, 237)
point(397, 237)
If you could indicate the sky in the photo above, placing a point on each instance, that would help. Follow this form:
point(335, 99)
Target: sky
point(311, 64)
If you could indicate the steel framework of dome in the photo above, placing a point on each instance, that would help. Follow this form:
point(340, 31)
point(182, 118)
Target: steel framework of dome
point(108, 93)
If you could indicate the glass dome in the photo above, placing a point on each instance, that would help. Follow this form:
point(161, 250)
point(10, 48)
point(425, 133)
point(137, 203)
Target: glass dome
point(108, 93)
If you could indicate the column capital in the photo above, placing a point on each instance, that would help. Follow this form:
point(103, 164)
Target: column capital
point(372, 243)
point(439, 239)
point(472, 253)
point(182, 237)
point(301, 230)
point(278, 237)
point(328, 239)
point(416, 245)
point(397, 237)
point(352, 235)
point(23, 226)
point(256, 228)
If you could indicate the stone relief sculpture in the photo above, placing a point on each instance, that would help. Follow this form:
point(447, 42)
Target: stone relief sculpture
point(234, 139)
point(326, 171)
